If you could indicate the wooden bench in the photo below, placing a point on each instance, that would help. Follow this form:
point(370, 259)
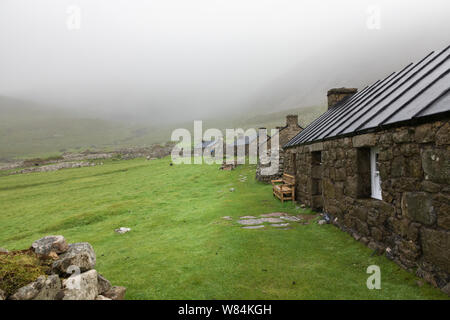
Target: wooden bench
point(284, 188)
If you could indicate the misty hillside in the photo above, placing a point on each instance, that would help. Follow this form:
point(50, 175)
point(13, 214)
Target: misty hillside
point(31, 130)
point(27, 129)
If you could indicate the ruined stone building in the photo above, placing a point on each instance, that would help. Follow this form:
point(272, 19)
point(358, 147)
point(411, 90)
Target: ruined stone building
point(377, 161)
point(244, 142)
point(285, 134)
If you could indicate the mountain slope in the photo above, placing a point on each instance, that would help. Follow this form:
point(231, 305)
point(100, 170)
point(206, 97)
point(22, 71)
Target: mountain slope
point(32, 130)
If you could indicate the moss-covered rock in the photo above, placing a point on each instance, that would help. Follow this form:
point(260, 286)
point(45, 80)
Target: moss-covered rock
point(19, 268)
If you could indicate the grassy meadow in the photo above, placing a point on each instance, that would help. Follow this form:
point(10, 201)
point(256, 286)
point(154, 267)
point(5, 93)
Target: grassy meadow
point(180, 247)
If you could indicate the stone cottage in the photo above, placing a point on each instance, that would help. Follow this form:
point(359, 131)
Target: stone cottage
point(285, 134)
point(377, 161)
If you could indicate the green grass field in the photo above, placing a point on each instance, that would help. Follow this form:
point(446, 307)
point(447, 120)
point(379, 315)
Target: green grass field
point(180, 247)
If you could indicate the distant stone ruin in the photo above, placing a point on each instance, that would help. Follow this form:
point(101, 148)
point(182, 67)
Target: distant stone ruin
point(57, 166)
point(86, 159)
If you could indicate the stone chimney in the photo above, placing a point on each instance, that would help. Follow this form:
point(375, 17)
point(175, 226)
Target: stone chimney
point(337, 94)
point(292, 120)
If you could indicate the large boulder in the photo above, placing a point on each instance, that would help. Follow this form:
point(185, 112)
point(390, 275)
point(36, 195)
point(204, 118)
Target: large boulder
point(2, 250)
point(2, 295)
point(80, 255)
point(83, 286)
point(48, 244)
point(116, 293)
point(446, 289)
point(418, 206)
point(51, 288)
point(29, 291)
point(103, 284)
point(44, 288)
point(435, 247)
point(435, 165)
point(100, 297)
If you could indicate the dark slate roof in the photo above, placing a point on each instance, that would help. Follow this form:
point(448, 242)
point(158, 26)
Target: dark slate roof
point(419, 90)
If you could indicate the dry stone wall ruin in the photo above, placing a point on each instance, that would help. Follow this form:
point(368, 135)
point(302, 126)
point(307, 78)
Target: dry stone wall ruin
point(71, 276)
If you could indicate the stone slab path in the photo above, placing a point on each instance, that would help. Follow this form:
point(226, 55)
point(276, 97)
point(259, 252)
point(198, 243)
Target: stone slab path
point(253, 227)
point(278, 225)
point(279, 220)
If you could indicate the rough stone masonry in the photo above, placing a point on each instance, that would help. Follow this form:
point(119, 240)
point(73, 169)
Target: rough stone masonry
point(412, 222)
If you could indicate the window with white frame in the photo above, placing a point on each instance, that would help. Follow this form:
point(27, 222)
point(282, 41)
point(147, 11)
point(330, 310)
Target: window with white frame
point(375, 173)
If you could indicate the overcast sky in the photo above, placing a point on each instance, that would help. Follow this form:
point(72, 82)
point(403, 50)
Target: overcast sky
point(184, 59)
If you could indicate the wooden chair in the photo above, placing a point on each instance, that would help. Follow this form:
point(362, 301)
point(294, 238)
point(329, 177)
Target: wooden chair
point(284, 188)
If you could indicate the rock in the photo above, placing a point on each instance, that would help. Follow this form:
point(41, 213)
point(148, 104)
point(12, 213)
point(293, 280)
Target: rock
point(418, 207)
point(444, 217)
point(42, 289)
point(227, 218)
point(279, 225)
point(122, 230)
point(2, 295)
point(49, 244)
point(116, 293)
point(401, 136)
point(103, 284)
point(250, 221)
point(435, 244)
point(80, 254)
point(356, 236)
point(446, 289)
point(364, 240)
point(100, 297)
point(364, 140)
point(55, 167)
point(378, 249)
point(29, 291)
point(53, 255)
point(424, 133)
point(272, 220)
point(259, 221)
point(253, 227)
point(2, 250)
point(83, 286)
point(248, 217)
point(321, 222)
point(231, 189)
point(273, 214)
point(290, 218)
point(435, 165)
point(51, 288)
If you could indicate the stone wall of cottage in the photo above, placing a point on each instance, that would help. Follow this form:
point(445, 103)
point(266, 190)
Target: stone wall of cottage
point(411, 225)
point(285, 135)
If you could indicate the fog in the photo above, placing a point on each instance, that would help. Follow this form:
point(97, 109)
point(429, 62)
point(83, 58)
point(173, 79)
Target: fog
point(160, 61)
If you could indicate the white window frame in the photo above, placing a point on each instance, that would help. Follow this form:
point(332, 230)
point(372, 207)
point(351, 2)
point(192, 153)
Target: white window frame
point(375, 174)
